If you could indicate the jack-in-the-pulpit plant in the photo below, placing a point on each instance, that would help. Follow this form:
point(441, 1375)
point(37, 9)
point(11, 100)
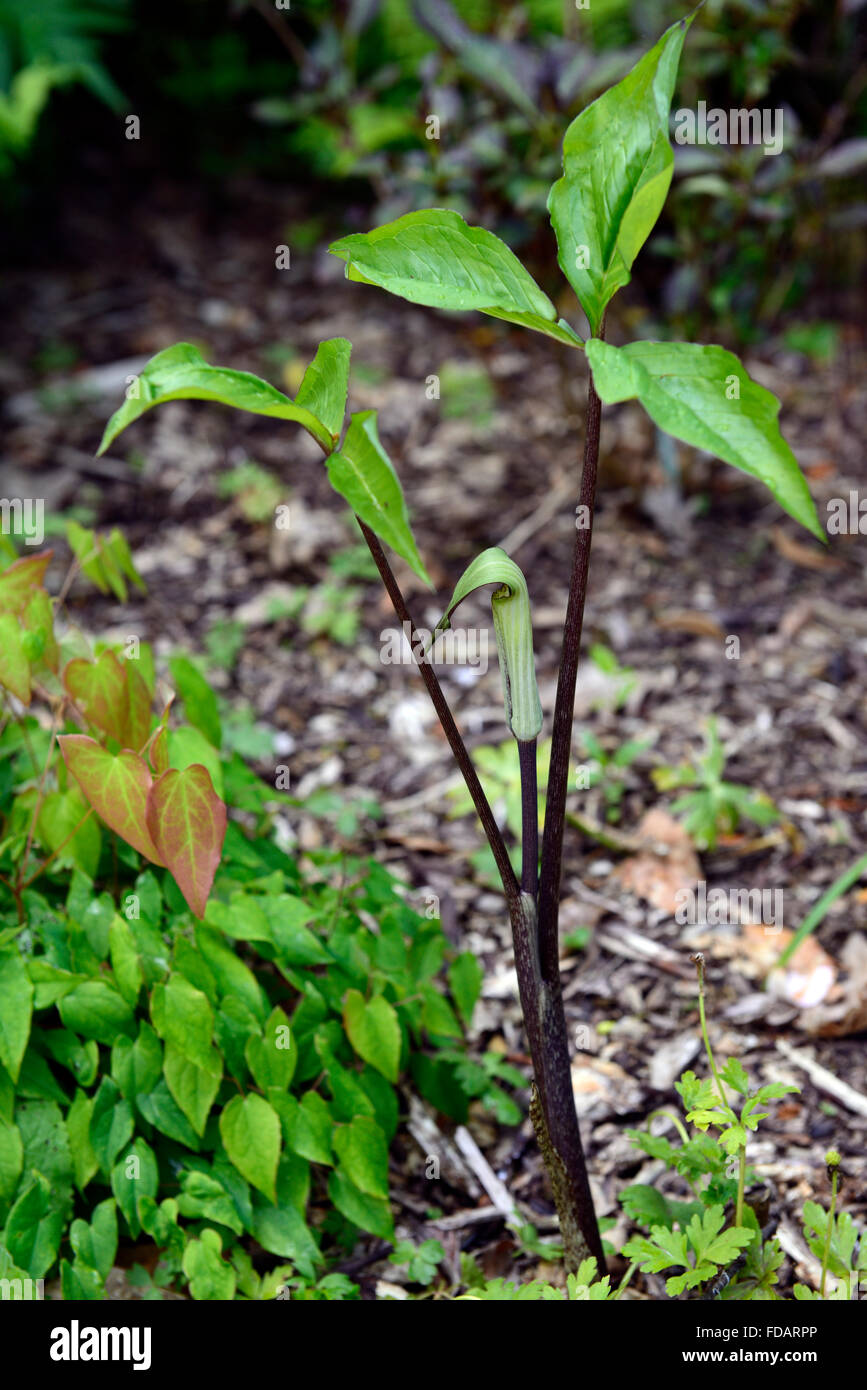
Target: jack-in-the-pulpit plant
point(617, 168)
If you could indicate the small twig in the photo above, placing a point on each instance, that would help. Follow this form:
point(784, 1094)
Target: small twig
point(824, 1079)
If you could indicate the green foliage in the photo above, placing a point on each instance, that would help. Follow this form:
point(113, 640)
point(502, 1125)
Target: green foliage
point(716, 806)
point(45, 46)
point(581, 1287)
point(704, 396)
point(202, 1050)
point(609, 770)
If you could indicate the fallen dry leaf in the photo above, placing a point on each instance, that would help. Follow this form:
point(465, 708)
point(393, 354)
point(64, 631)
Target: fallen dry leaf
point(659, 878)
point(692, 621)
point(809, 976)
point(801, 554)
point(849, 1014)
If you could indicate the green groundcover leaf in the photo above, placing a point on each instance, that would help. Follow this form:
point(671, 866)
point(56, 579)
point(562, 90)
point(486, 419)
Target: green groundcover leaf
point(617, 167)
point(704, 396)
point(363, 474)
point(181, 373)
point(435, 258)
point(250, 1130)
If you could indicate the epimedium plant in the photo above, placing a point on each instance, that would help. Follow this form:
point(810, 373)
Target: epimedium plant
point(200, 1044)
point(617, 168)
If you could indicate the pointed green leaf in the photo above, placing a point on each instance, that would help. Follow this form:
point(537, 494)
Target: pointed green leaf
point(33, 1230)
point(200, 702)
point(326, 384)
point(362, 1152)
point(617, 167)
point(374, 1032)
point(250, 1130)
point(187, 822)
point(368, 1213)
point(704, 396)
point(14, 665)
point(513, 630)
point(182, 1015)
point(11, 1159)
point(85, 1163)
point(181, 373)
point(62, 827)
point(272, 1059)
point(435, 258)
point(364, 475)
point(465, 983)
point(16, 1007)
point(111, 1123)
point(194, 1087)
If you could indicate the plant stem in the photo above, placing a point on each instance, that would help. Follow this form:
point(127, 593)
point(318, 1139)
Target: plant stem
point(449, 727)
point(827, 1251)
point(554, 1115)
point(564, 707)
point(742, 1174)
point(698, 962)
point(529, 817)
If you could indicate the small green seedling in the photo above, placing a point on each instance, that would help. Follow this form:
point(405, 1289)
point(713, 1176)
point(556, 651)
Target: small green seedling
point(716, 807)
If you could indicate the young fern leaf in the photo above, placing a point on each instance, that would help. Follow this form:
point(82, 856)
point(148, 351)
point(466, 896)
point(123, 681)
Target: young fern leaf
point(513, 629)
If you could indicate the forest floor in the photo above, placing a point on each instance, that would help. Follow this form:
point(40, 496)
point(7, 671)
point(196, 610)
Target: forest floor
point(705, 602)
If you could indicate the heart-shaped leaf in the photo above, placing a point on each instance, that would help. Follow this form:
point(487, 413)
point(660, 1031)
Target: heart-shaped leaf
point(374, 1032)
point(434, 257)
point(187, 822)
point(181, 373)
point(363, 474)
point(20, 581)
point(617, 167)
point(116, 785)
point(704, 396)
point(250, 1130)
point(112, 695)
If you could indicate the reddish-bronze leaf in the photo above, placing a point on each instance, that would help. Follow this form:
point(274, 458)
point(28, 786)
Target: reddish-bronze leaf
point(116, 786)
point(187, 822)
point(18, 582)
point(113, 696)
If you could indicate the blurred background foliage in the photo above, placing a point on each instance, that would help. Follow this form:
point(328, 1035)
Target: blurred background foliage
point(336, 96)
